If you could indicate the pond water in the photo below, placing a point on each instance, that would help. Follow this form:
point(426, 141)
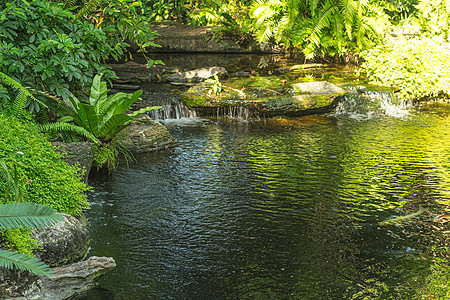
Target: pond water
point(277, 209)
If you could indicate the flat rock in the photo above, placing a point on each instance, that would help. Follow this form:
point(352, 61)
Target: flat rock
point(135, 73)
point(196, 75)
point(64, 282)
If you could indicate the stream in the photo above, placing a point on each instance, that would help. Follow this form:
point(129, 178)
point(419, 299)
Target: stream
point(283, 208)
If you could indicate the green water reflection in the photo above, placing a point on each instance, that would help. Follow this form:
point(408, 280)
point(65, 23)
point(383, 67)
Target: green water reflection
point(278, 209)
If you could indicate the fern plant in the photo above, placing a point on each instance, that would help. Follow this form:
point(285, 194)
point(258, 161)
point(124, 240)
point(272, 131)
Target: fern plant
point(21, 215)
point(317, 26)
point(18, 104)
point(102, 118)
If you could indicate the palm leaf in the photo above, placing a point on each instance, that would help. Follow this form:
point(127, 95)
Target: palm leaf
point(15, 215)
point(9, 259)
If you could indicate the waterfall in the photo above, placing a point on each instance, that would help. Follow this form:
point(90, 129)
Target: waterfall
point(172, 109)
point(362, 102)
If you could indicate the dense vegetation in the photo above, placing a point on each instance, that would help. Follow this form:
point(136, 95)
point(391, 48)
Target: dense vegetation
point(51, 50)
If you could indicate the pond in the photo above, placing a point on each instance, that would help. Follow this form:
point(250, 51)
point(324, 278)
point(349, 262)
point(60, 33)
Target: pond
point(277, 209)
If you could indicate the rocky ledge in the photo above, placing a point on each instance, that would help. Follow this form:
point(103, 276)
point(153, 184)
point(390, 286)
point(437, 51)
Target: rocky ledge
point(297, 100)
point(62, 244)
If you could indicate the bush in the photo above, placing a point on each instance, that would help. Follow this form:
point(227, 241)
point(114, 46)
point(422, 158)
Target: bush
point(418, 66)
point(44, 47)
point(46, 179)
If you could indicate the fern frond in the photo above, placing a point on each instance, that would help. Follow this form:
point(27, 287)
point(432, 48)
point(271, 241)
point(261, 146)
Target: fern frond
point(20, 101)
point(67, 127)
point(87, 9)
point(10, 259)
point(30, 215)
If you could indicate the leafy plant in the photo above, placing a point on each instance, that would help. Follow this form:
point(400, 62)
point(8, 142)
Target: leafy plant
point(44, 47)
point(216, 85)
point(17, 215)
point(45, 178)
point(102, 118)
point(418, 66)
point(318, 27)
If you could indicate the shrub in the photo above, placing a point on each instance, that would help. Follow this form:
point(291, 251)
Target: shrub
point(47, 180)
point(44, 47)
point(418, 66)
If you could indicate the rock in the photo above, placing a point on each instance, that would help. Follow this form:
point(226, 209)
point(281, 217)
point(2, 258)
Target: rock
point(134, 73)
point(308, 98)
point(62, 243)
point(63, 283)
point(176, 37)
point(196, 75)
point(318, 88)
point(146, 135)
point(77, 153)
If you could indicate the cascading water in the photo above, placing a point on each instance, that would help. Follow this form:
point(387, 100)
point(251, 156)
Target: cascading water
point(361, 102)
point(172, 109)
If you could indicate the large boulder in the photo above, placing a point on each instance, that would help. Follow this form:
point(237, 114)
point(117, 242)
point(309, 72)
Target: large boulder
point(301, 99)
point(311, 98)
point(80, 154)
point(63, 283)
point(146, 135)
point(62, 243)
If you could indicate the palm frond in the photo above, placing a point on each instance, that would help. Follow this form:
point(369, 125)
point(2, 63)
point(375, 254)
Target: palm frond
point(16, 215)
point(10, 259)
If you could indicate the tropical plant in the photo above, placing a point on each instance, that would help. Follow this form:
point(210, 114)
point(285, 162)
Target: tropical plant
point(20, 100)
point(17, 215)
point(230, 18)
point(319, 27)
point(44, 47)
point(418, 66)
point(102, 118)
point(44, 177)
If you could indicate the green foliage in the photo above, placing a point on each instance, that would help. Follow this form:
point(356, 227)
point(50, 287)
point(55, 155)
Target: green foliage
point(230, 18)
point(102, 118)
point(46, 179)
point(418, 66)
point(435, 18)
point(10, 259)
point(19, 215)
point(319, 27)
point(216, 85)
point(44, 47)
point(22, 95)
point(19, 239)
